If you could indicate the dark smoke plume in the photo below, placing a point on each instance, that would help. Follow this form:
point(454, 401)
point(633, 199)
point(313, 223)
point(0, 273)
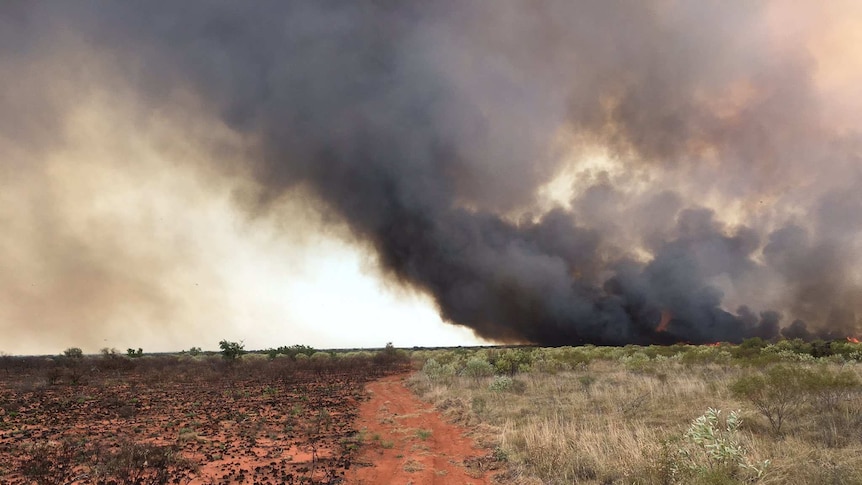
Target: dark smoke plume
point(706, 164)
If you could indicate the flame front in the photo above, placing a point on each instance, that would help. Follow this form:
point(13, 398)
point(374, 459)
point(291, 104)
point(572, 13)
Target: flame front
point(853, 340)
point(666, 315)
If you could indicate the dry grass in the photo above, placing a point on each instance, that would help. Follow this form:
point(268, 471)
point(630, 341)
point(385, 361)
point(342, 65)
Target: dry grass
point(606, 424)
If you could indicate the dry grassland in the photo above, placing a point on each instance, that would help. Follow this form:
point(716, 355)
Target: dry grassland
point(625, 421)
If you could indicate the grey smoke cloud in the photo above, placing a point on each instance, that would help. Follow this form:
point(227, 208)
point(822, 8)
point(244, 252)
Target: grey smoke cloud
point(726, 197)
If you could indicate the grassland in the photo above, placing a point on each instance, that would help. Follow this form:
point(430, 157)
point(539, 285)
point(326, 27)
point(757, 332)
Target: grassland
point(641, 415)
point(771, 413)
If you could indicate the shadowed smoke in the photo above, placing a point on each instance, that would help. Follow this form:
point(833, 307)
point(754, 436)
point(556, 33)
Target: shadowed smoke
point(726, 191)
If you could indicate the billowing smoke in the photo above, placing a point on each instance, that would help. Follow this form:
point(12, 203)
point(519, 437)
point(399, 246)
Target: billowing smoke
point(554, 172)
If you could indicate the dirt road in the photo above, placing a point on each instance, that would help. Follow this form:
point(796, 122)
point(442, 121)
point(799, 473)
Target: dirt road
point(407, 442)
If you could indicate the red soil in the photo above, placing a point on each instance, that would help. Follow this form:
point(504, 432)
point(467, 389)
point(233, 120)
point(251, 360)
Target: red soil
point(407, 441)
point(216, 428)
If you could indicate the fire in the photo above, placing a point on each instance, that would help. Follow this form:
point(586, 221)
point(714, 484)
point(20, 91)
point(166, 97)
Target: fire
point(853, 340)
point(665, 320)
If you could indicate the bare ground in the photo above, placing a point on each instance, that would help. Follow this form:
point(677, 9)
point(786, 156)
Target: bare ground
point(408, 442)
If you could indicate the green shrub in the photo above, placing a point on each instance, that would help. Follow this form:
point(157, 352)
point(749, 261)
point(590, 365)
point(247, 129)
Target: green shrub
point(134, 353)
point(705, 354)
point(636, 362)
point(573, 357)
point(711, 452)
point(478, 368)
point(501, 384)
point(73, 353)
point(827, 389)
point(753, 343)
point(445, 357)
point(782, 353)
point(437, 372)
point(507, 384)
point(231, 351)
point(550, 366)
point(776, 394)
point(512, 361)
point(820, 348)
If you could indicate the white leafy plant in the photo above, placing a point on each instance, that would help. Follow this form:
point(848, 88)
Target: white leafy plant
point(709, 446)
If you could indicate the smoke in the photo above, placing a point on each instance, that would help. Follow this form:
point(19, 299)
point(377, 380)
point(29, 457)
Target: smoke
point(553, 172)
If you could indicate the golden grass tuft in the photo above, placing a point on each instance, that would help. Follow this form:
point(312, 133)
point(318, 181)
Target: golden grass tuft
point(606, 424)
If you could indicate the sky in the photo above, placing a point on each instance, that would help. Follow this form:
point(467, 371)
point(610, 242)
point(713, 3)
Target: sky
point(121, 196)
point(441, 174)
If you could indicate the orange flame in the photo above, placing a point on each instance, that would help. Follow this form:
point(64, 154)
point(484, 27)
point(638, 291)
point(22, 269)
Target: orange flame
point(853, 340)
point(665, 320)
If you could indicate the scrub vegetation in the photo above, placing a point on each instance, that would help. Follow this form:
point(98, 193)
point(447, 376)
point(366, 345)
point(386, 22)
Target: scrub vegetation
point(788, 412)
point(772, 413)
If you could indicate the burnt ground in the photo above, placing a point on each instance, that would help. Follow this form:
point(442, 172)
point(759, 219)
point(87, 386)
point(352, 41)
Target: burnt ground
point(178, 420)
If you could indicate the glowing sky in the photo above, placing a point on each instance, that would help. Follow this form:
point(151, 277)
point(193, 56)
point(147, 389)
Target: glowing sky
point(130, 191)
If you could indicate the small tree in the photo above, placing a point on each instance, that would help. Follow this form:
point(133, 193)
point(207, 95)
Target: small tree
point(390, 351)
point(6, 362)
point(827, 389)
point(108, 352)
point(231, 351)
point(134, 353)
point(777, 394)
point(73, 364)
point(387, 356)
point(73, 353)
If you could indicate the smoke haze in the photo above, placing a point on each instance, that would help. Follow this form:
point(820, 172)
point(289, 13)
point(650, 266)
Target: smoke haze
point(552, 172)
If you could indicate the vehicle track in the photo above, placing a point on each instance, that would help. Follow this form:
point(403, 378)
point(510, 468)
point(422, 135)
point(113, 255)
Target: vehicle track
point(408, 442)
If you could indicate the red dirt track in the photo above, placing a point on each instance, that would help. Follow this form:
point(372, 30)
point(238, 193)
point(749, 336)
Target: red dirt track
point(171, 421)
point(180, 421)
point(406, 441)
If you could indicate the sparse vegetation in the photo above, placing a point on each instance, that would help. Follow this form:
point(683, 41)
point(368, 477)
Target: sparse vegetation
point(594, 415)
point(73, 353)
point(153, 419)
point(477, 368)
point(777, 393)
point(711, 451)
point(231, 351)
point(635, 415)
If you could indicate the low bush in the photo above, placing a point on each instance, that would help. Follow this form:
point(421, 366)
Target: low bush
point(512, 361)
point(478, 368)
point(437, 372)
point(777, 393)
point(507, 384)
point(711, 452)
point(828, 389)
